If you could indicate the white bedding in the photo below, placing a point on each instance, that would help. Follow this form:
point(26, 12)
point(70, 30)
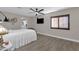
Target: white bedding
point(20, 37)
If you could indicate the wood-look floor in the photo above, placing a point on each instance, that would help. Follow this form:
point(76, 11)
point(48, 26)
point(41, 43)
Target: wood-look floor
point(46, 43)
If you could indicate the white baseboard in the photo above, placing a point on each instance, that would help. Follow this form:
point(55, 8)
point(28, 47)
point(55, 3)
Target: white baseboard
point(74, 40)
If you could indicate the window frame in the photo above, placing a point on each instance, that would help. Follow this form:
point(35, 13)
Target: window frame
point(68, 15)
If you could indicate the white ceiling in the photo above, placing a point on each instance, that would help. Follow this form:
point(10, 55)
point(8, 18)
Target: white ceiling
point(25, 11)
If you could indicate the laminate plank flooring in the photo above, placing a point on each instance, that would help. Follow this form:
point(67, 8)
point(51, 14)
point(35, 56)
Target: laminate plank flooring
point(46, 43)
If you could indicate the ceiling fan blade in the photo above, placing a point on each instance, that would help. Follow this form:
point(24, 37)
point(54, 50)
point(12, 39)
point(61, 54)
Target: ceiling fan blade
point(40, 10)
point(32, 9)
point(42, 13)
point(30, 12)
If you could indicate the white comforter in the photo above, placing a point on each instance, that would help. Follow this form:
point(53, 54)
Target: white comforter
point(20, 37)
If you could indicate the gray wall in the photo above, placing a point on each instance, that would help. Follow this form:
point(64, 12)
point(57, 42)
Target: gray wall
point(73, 33)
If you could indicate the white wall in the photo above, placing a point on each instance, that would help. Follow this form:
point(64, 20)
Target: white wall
point(72, 34)
point(18, 24)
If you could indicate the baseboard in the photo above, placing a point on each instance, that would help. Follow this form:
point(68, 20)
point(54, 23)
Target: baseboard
point(74, 40)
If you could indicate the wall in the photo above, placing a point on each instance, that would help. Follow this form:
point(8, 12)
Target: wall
point(18, 24)
point(72, 34)
point(31, 22)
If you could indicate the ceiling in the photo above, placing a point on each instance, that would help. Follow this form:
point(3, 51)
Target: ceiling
point(25, 11)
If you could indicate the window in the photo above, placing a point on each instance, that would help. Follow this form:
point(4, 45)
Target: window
point(60, 22)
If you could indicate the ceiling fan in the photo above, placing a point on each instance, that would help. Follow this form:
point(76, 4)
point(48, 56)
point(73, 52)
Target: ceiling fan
point(37, 11)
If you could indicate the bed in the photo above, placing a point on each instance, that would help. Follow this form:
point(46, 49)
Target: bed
point(20, 37)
